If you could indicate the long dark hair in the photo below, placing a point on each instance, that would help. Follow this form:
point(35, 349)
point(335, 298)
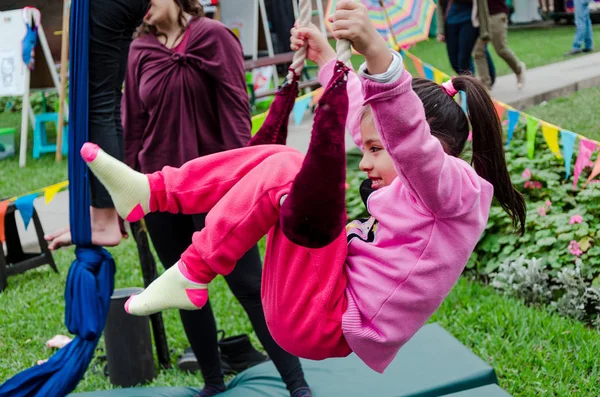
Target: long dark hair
point(192, 7)
point(450, 125)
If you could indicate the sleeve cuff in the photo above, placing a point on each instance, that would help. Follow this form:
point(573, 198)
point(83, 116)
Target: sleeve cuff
point(325, 72)
point(390, 76)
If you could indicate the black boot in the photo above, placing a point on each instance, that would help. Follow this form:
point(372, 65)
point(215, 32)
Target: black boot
point(238, 353)
point(189, 363)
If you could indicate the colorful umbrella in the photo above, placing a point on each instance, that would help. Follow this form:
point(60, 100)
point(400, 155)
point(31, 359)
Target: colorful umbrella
point(400, 22)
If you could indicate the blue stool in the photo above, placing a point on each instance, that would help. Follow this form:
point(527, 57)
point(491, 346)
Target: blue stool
point(40, 140)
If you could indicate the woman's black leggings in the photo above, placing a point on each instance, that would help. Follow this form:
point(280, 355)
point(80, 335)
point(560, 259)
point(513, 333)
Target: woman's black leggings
point(171, 235)
point(112, 23)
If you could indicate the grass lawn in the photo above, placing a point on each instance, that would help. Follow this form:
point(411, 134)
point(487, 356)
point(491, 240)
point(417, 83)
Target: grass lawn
point(38, 173)
point(535, 47)
point(534, 352)
point(578, 112)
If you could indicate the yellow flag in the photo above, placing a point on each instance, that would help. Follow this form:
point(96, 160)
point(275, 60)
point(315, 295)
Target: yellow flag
point(438, 76)
point(257, 122)
point(50, 191)
point(550, 133)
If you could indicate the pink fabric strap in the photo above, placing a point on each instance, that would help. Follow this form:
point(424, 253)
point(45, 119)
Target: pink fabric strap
point(449, 88)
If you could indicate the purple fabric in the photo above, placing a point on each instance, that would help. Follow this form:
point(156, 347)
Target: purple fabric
point(179, 106)
point(275, 128)
point(314, 213)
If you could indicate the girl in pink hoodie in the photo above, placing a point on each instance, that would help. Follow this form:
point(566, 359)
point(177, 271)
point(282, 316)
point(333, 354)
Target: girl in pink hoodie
point(326, 291)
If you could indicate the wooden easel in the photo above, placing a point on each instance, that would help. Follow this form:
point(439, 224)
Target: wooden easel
point(43, 77)
point(64, 59)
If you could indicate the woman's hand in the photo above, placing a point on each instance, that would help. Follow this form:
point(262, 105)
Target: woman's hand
point(351, 22)
point(441, 38)
point(319, 50)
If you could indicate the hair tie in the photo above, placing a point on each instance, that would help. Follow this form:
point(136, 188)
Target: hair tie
point(449, 88)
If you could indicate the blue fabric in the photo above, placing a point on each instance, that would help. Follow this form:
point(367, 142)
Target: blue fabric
point(25, 206)
point(90, 284)
point(459, 13)
point(568, 138)
point(79, 192)
point(513, 120)
point(28, 44)
point(583, 26)
point(90, 281)
point(428, 72)
point(460, 42)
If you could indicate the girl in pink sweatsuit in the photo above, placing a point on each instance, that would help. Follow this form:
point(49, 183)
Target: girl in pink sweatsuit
point(371, 287)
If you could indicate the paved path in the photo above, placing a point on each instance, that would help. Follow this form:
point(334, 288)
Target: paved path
point(550, 81)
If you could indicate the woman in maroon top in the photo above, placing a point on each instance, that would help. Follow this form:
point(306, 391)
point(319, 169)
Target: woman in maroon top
point(185, 96)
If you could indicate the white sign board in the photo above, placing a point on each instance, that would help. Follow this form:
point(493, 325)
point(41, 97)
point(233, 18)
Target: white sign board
point(15, 77)
point(241, 16)
point(12, 68)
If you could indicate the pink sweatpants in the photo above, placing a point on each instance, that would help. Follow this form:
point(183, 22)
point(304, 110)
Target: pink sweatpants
point(303, 290)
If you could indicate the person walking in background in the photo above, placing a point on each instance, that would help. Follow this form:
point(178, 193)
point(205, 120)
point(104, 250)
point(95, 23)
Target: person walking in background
point(461, 23)
point(497, 29)
point(583, 28)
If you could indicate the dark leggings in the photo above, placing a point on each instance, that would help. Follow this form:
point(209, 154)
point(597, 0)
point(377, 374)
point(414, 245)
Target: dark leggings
point(171, 235)
point(112, 23)
point(460, 42)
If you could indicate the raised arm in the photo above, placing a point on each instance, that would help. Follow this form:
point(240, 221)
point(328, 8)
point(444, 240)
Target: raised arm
point(442, 184)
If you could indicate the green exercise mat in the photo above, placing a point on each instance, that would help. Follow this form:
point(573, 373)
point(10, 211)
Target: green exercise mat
point(432, 363)
point(484, 391)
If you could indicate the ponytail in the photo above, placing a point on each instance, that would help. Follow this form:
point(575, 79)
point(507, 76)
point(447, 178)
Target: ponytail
point(488, 151)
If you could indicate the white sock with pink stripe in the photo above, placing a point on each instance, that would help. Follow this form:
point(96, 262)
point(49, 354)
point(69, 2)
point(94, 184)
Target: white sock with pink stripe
point(129, 189)
point(172, 290)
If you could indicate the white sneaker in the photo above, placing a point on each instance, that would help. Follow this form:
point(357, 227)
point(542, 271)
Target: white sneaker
point(521, 76)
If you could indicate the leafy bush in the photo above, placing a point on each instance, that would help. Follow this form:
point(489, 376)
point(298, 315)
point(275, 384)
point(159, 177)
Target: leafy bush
point(569, 293)
point(15, 104)
point(562, 222)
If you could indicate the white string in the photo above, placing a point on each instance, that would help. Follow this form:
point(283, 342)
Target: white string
point(344, 51)
point(305, 11)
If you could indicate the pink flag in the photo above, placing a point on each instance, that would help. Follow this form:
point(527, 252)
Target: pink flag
point(586, 149)
point(595, 172)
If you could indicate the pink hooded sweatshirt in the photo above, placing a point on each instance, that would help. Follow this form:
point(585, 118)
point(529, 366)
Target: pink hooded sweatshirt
point(404, 261)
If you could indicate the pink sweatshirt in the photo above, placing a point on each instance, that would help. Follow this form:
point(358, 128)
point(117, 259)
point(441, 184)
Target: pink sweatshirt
point(404, 261)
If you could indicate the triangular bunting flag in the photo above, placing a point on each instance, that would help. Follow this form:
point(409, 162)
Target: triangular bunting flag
point(316, 95)
point(419, 66)
point(586, 149)
point(567, 139)
point(51, 191)
point(3, 208)
point(550, 133)
point(438, 76)
point(257, 122)
point(300, 108)
point(532, 126)
point(500, 108)
point(25, 206)
point(513, 120)
point(595, 171)
point(428, 70)
point(463, 101)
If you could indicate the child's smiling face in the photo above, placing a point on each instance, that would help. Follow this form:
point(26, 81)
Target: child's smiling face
point(376, 161)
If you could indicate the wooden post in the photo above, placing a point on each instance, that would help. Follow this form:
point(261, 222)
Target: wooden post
point(64, 59)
